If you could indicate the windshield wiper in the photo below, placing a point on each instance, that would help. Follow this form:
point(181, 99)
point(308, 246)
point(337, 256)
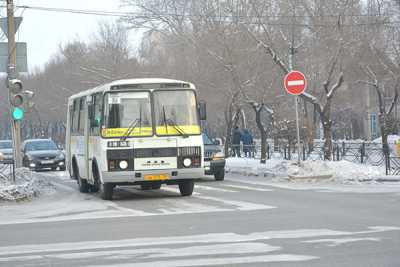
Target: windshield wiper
point(131, 127)
point(179, 129)
point(172, 123)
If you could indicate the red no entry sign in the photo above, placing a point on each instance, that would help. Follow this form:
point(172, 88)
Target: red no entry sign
point(295, 82)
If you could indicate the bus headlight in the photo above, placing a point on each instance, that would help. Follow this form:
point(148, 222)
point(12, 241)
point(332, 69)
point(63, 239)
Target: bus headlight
point(187, 162)
point(123, 164)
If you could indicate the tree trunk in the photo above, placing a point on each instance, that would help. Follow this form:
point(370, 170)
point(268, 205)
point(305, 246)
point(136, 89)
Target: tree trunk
point(327, 127)
point(263, 135)
point(385, 145)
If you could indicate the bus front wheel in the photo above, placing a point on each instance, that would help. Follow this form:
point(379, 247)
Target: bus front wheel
point(107, 191)
point(186, 187)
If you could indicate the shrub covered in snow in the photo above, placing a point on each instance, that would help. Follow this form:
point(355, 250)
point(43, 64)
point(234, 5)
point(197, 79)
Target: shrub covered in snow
point(26, 186)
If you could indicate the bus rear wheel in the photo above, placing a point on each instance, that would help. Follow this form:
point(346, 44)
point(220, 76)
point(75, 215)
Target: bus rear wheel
point(82, 183)
point(107, 191)
point(186, 187)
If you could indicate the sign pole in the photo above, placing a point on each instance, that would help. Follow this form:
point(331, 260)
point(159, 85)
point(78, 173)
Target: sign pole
point(12, 73)
point(296, 99)
point(295, 84)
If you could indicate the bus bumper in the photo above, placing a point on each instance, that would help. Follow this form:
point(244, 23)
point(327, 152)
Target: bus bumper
point(139, 177)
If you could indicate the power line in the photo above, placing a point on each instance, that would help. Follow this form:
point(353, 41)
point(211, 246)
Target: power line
point(117, 13)
point(226, 18)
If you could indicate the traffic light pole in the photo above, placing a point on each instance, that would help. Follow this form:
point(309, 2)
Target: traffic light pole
point(12, 74)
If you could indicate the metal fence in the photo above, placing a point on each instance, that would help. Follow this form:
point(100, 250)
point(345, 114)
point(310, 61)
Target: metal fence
point(7, 170)
point(358, 152)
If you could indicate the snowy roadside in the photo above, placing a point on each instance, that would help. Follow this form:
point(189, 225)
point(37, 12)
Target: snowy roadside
point(341, 172)
point(27, 185)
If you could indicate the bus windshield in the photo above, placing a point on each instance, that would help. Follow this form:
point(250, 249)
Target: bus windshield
point(127, 110)
point(175, 112)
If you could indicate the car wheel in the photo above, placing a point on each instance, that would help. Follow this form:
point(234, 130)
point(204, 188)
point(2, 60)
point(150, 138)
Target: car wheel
point(62, 169)
point(219, 175)
point(186, 187)
point(54, 168)
point(107, 191)
point(155, 186)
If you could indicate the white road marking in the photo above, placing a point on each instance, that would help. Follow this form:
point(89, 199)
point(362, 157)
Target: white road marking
point(151, 253)
point(209, 188)
point(339, 241)
point(218, 261)
point(241, 205)
point(189, 239)
point(83, 207)
point(248, 188)
point(295, 82)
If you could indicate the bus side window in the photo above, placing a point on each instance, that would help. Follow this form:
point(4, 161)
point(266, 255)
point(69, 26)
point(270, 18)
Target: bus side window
point(95, 114)
point(75, 117)
point(81, 115)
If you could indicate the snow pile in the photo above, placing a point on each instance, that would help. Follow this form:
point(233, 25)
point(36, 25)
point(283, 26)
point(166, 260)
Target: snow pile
point(248, 166)
point(26, 186)
point(310, 169)
point(335, 171)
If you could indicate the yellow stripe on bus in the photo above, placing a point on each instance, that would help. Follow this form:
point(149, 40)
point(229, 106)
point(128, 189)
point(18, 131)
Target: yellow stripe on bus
point(118, 132)
point(148, 131)
point(171, 130)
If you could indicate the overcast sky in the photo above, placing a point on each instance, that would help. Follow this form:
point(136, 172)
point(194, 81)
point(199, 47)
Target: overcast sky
point(45, 31)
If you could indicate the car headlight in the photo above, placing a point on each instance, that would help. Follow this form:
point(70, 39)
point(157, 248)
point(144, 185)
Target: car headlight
point(218, 155)
point(60, 157)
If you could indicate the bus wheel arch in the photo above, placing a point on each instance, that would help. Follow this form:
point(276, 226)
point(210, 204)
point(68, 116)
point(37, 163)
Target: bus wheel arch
point(82, 183)
point(95, 187)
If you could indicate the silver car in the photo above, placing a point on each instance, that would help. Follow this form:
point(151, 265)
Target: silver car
point(6, 148)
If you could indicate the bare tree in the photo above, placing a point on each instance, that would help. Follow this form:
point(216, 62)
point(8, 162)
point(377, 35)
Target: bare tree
point(378, 84)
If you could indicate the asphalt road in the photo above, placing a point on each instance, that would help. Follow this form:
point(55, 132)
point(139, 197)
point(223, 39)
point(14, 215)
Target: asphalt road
point(242, 221)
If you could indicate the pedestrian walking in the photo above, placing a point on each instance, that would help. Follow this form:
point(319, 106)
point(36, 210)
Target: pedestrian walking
point(236, 137)
point(247, 140)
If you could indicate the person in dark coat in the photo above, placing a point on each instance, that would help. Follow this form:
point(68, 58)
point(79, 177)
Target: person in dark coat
point(247, 140)
point(236, 137)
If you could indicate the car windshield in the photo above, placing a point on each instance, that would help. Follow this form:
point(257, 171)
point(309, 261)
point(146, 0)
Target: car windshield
point(207, 140)
point(127, 110)
point(176, 112)
point(40, 145)
point(5, 145)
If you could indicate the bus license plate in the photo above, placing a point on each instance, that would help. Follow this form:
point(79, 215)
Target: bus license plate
point(156, 177)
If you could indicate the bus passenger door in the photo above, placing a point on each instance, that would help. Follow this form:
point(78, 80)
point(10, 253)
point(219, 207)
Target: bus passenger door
point(93, 133)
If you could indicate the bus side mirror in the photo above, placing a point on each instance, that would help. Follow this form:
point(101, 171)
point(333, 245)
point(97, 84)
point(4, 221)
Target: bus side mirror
point(202, 110)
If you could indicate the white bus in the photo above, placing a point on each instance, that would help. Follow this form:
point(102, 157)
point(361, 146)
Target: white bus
point(135, 132)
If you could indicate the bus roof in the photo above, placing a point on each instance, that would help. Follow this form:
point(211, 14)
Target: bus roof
point(108, 86)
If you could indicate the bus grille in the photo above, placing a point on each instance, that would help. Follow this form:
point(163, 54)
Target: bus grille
point(189, 151)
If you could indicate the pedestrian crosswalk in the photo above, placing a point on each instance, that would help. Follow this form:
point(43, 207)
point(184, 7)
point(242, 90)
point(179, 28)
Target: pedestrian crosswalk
point(210, 249)
point(68, 204)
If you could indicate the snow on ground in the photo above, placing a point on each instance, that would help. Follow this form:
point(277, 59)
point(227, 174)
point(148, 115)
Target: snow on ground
point(27, 185)
point(344, 172)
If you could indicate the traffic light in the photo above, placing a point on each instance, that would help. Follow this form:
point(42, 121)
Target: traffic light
point(16, 98)
point(28, 100)
point(21, 101)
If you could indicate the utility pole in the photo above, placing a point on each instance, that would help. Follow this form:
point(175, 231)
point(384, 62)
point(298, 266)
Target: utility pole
point(12, 74)
point(296, 98)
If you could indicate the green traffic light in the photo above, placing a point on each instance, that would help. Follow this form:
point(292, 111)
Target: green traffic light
point(18, 114)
